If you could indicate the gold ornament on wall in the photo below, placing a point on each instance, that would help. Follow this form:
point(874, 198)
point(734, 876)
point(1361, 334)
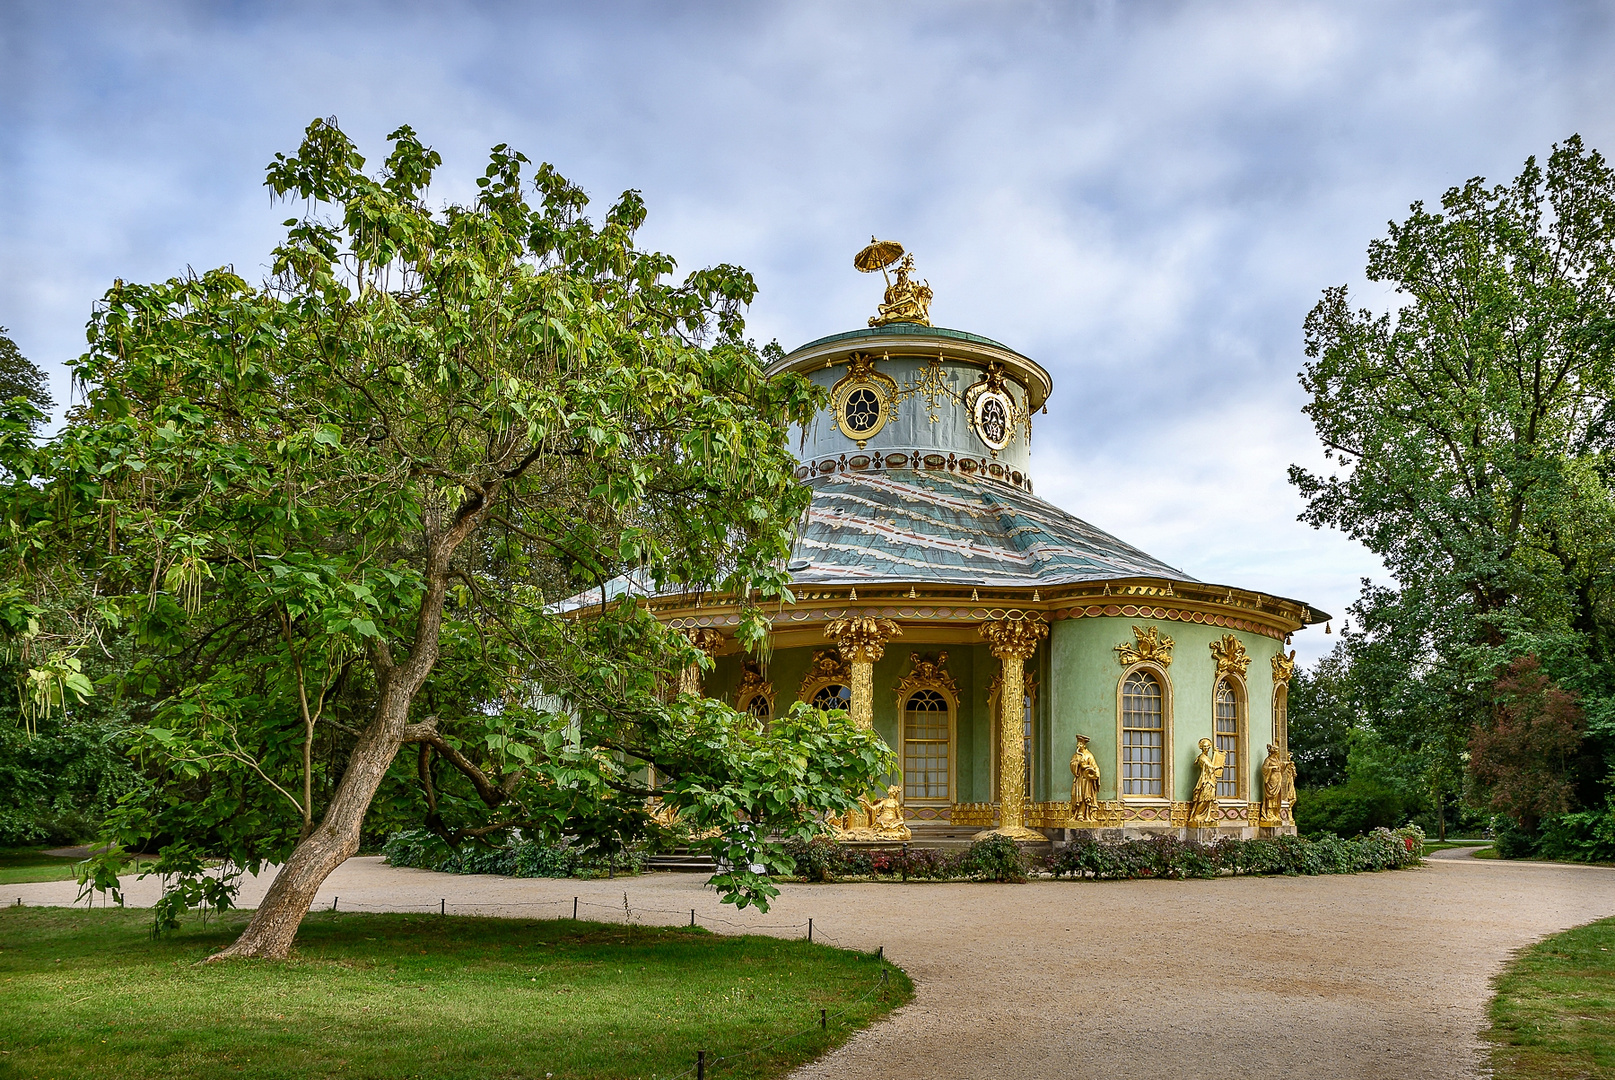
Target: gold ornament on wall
point(827, 666)
point(1148, 644)
point(1231, 656)
point(926, 673)
point(1084, 785)
point(1283, 668)
point(864, 400)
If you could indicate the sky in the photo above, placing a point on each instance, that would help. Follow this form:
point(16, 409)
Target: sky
point(1144, 197)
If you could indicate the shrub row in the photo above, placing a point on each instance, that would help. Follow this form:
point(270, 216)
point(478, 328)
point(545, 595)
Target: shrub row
point(515, 858)
point(999, 859)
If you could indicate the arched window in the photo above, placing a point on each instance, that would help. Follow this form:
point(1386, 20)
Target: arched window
point(832, 696)
point(1143, 736)
point(1281, 718)
point(925, 746)
point(758, 706)
point(1228, 724)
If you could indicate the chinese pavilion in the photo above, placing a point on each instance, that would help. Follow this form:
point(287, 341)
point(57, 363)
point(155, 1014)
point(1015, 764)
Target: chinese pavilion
point(1033, 672)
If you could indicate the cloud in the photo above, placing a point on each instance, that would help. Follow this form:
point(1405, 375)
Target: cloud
point(1145, 198)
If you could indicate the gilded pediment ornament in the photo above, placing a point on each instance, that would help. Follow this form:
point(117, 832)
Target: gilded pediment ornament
point(1283, 668)
point(827, 666)
point(1231, 656)
point(1148, 644)
point(927, 673)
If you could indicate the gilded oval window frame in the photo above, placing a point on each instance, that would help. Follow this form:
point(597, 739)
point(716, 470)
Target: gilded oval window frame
point(978, 406)
point(883, 409)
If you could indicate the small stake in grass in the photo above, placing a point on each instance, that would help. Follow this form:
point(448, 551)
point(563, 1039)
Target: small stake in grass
point(334, 899)
point(700, 1065)
point(905, 862)
point(692, 916)
point(824, 1021)
point(810, 929)
point(443, 906)
point(574, 909)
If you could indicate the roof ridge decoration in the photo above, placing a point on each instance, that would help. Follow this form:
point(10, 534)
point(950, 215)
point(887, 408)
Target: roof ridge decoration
point(1148, 646)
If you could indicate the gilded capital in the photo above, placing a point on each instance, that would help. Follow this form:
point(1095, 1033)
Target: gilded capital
point(1231, 656)
point(1147, 644)
point(1014, 639)
point(862, 639)
point(1283, 668)
point(706, 639)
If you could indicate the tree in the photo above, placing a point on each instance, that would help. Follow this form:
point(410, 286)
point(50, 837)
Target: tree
point(20, 378)
point(1524, 757)
point(1473, 429)
point(337, 513)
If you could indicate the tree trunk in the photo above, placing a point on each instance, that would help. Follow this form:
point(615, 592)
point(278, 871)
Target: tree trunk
point(269, 935)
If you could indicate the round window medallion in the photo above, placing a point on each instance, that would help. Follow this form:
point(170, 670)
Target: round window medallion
point(991, 417)
point(861, 410)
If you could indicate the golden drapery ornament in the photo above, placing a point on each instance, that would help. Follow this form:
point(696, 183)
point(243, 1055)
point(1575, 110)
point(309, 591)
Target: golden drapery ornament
point(1012, 641)
point(1147, 644)
point(1203, 806)
point(1231, 656)
point(906, 300)
point(862, 640)
point(1283, 668)
point(827, 666)
point(1084, 785)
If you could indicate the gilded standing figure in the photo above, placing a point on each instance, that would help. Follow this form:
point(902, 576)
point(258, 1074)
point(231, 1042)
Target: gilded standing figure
point(1084, 783)
point(1203, 808)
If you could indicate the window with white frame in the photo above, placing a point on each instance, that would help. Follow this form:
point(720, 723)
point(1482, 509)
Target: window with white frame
point(1227, 716)
point(1143, 736)
point(925, 746)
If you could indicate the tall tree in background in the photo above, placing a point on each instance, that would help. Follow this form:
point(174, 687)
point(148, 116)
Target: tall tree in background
point(335, 514)
point(1473, 428)
point(21, 378)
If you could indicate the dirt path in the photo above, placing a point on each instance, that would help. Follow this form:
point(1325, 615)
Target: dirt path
point(1375, 975)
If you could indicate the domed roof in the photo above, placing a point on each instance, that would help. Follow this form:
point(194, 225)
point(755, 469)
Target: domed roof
point(920, 525)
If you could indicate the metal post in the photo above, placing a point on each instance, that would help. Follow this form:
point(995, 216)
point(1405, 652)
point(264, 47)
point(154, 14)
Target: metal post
point(443, 906)
point(334, 899)
point(880, 954)
point(905, 862)
point(810, 929)
point(692, 916)
point(574, 909)
point(823, 1022)
point(700, 1065)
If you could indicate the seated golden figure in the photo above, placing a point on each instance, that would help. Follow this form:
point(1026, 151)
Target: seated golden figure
point(906, 301)
point(881, 819)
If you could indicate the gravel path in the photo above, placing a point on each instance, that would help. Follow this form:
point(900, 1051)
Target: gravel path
point(1373, 975)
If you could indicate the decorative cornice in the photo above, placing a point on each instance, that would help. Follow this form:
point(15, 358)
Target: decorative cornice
point(927, 674)
point(862, 638)
point(1012, 639)
point(1231, 656)
point(1148, 644)
point(1283, 668)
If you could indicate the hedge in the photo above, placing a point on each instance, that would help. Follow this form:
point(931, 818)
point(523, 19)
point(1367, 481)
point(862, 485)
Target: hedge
point(999, 859)
point(515, 858)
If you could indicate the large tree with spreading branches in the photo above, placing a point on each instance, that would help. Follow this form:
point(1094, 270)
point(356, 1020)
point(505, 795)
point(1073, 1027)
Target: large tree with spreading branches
point(339, 514)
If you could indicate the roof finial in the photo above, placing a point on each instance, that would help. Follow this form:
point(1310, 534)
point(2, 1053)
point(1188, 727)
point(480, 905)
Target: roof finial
point(905, 301)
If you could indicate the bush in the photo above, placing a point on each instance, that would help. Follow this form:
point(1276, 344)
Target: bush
point(1585, 836)
point(516, 858)
point(995, 858)
point(1354, 808)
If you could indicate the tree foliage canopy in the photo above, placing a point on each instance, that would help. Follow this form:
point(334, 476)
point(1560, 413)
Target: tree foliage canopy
point(337, 511)
point(1474, 426)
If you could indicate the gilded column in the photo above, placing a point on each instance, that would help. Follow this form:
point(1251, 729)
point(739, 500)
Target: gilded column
point(708, 641)
point(862, 641)
point(1012, 641)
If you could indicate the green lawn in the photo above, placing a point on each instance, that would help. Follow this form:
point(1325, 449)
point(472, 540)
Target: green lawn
point(1554, 1013)
point(1445, 845)
point(89, 994)
point(31, 864)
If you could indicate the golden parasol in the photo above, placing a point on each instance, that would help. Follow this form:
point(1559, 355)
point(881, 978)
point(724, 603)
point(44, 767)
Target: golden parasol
point(878, 255)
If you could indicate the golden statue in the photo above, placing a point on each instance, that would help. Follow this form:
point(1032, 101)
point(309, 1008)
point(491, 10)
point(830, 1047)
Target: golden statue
point(881, 819)
point(1278, 785)
point(905, 300)
point(1203, 806)
point(1084, 783)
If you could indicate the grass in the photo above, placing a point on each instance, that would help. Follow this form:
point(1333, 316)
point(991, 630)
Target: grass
point(90, 994)
point(1554, 1014)
point(18, 865)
